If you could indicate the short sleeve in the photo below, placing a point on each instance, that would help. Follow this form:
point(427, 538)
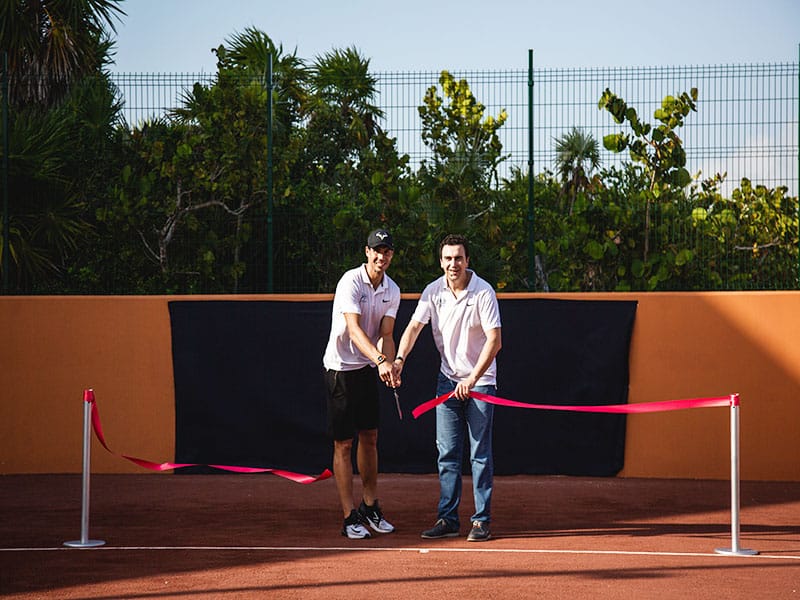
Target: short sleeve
point(422, 313)
point(348, 293)
point(394, 301)
point(489, 311)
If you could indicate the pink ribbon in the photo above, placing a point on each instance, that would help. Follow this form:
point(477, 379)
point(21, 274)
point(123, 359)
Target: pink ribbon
point(644, 407)
point(88, 396)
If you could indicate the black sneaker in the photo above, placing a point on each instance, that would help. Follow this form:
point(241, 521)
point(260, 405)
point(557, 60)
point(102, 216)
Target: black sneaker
point(373, 517)
point(440, 530)
point(480, 532)
point(353, 527)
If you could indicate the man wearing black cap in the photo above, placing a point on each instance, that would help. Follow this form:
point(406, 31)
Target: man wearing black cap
point(361, 340)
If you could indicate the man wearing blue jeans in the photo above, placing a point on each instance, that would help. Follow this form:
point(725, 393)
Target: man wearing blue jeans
point(465, 321)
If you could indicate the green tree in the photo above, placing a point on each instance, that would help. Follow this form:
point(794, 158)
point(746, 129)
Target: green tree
point(193, 191)
point(37, 189)
point(342, 123)
point(247, 53)
point(586, 249)
point(511, 210)
point(341, 81)
point(459, 184)
point(463, 140)
point(344, 172)
point(92, 120)
point(197, 175)
point(659, 150)
point(53, 44)
point(577, 155)
point(752, 236)
point(62, 112)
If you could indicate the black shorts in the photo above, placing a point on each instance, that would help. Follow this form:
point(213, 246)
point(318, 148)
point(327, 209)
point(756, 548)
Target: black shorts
point(352, 402)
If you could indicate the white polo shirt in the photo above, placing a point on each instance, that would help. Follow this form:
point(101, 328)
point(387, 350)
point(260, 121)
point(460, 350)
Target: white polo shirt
point(355, 294)
point(459, 325)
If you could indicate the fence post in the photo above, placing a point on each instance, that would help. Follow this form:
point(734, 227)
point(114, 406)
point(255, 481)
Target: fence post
point(6, 218)
point(735, 549)
point(85, 542)
point(531, 255)
point(270, 253)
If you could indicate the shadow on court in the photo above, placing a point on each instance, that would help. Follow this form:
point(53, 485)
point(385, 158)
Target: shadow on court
point(238, 536)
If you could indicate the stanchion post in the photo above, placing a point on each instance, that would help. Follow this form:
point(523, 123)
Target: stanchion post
point(85, 542)
point(735, 550)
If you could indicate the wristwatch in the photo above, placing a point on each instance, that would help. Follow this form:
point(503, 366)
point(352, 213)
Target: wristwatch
point(381, 358)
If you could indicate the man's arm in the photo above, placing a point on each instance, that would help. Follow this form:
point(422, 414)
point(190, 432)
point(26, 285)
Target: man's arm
point(490, 349)
point(407, 341)
point(384, 346)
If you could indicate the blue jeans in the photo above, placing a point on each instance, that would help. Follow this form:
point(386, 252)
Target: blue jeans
point(454, 419)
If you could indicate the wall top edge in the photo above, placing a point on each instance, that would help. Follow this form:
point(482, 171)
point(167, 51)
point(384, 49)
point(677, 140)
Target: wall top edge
point(406, 296)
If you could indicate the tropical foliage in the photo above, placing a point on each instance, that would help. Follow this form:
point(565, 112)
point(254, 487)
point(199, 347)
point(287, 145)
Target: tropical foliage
point(61, 125)
point(53, 44)
point(198, 201)
point(577, 155)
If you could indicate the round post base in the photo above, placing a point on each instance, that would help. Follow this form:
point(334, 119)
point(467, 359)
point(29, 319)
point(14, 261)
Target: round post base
point(86, 544)
point(739, 552)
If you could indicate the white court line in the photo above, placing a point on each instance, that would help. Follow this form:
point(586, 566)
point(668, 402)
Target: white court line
point(384, 549)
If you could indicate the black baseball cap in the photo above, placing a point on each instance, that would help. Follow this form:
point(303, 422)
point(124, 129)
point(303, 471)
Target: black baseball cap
point(380, 237)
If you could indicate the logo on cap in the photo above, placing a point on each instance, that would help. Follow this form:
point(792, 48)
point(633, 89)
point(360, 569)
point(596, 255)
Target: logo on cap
point(380, 237)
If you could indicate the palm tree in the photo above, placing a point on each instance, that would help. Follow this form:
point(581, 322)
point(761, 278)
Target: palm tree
point(249, 52)
point(577, 155)
point(52, 44)
point(341, 80)
point(62, 110)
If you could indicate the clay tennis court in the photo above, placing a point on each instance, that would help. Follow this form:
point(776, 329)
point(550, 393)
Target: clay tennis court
point(650, 532)
point(261, 536)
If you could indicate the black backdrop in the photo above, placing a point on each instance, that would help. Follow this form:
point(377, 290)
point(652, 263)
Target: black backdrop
point(249, 388)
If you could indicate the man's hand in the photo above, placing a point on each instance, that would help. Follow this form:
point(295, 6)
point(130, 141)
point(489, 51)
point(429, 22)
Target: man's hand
point(385, 373)
point(463, 387)
point(397, 368)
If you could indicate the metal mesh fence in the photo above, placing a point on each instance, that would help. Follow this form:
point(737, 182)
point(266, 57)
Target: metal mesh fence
point(746, 125)
point(147, 96)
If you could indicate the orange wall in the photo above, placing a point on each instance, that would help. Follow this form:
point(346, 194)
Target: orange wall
point(685, 345)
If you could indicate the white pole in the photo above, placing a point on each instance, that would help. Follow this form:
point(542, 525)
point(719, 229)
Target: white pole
point(85, 542)
point(735, 550)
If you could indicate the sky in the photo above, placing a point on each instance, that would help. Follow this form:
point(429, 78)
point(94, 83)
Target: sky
point(176, 36)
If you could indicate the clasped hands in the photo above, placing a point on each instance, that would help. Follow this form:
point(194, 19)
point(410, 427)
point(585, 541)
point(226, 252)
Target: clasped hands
point(390, 375)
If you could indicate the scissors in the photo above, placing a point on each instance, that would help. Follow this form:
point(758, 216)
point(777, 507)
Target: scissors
point(397, 403)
